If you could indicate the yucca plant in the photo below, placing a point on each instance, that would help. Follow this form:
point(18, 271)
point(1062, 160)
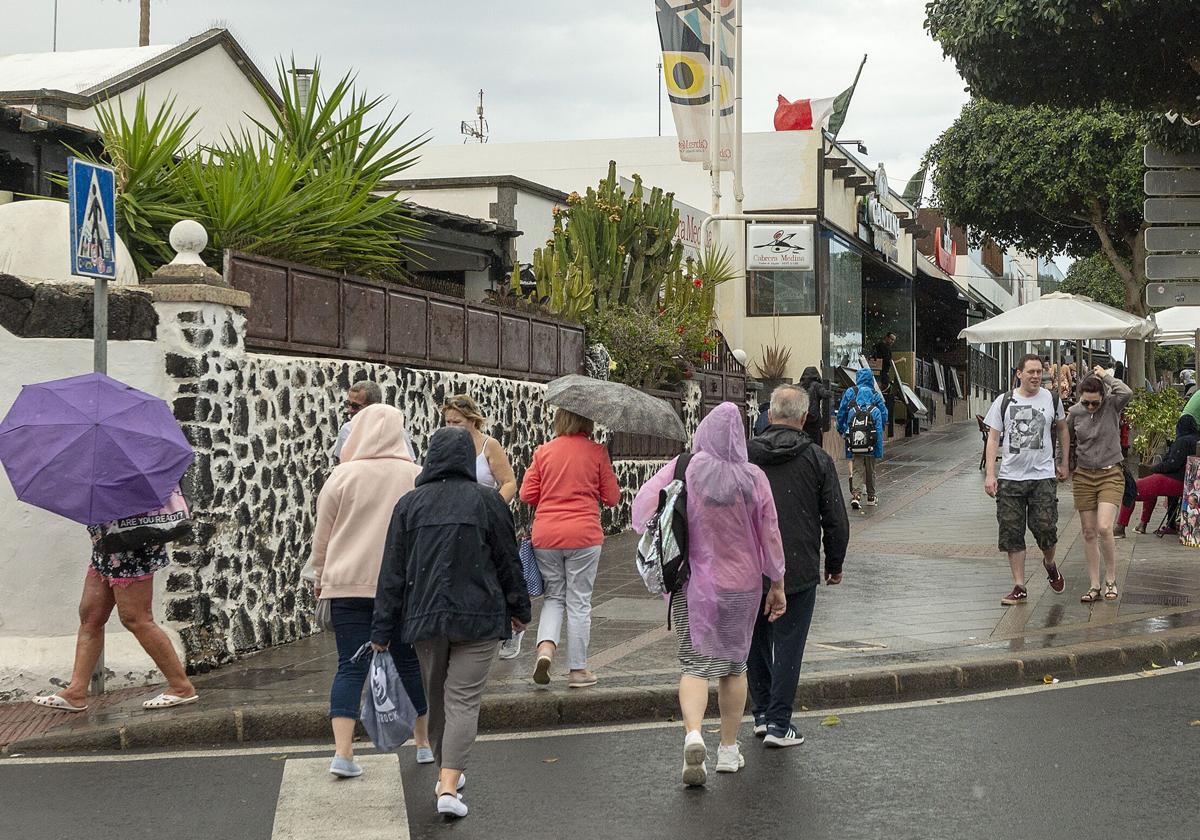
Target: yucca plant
point(306, 189)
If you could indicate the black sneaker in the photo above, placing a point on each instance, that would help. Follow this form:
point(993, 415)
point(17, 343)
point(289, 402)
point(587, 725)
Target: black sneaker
point(777, 737)
point(1017, 596)
point(855, 503)
point(760, 727)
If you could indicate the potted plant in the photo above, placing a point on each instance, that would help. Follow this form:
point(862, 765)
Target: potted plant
point(1153, 414)
point(773, 365)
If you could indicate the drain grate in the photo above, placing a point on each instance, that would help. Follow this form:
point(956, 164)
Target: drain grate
point(850, 645)
point(1161, 599)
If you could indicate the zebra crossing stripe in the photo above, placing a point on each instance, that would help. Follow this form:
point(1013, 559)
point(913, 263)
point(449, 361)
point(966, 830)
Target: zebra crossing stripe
point(313, 803)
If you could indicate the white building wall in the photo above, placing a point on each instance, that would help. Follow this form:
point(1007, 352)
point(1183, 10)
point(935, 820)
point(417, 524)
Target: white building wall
point(209, 83)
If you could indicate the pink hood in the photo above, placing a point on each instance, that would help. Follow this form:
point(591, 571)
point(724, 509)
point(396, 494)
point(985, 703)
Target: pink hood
point(733, 534)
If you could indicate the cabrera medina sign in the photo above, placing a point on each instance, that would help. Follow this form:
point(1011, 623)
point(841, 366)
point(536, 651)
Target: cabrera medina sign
point(779, 247)
point(884, 224)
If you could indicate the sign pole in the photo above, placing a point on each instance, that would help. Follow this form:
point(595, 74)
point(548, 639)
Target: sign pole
point(91, 190)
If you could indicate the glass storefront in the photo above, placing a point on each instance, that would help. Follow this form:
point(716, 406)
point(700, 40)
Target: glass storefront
point(783, 293)
point(887, 307)
point(845, 303)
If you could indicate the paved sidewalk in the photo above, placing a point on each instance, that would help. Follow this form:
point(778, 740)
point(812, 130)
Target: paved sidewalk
point(918, 613)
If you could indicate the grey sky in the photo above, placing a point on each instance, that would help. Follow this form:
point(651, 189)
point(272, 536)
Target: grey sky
point(555, 70)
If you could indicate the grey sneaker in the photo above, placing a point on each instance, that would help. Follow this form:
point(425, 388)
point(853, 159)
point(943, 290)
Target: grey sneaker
point(424, 755)
point(344, 768)
point(510, 648)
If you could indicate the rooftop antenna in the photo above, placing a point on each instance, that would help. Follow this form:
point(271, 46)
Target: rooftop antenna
point(476, 130)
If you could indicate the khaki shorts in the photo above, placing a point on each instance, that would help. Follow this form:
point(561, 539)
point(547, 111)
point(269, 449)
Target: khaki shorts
point(1090, 487)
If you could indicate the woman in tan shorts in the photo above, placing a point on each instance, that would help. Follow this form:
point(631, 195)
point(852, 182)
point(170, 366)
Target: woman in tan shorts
point(1098, 481)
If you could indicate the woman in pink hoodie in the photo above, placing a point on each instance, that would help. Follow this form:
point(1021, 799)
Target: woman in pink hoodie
point(354, 511)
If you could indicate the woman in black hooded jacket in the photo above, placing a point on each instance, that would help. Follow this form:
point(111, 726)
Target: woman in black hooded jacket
point(451, 585)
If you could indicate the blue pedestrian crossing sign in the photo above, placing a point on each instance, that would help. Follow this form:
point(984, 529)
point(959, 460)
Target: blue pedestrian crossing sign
point(92, 192)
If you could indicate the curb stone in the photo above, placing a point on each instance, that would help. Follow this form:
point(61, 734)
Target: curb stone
point(547, 709)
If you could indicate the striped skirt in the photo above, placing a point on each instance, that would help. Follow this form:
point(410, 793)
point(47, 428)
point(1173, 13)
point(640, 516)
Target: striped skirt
point(691, 662)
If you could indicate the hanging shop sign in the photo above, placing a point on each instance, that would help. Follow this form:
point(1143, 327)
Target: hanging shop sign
point(884, 224)
point(779, 247)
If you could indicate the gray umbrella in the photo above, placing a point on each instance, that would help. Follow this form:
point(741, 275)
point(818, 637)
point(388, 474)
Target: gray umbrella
point(615, 406)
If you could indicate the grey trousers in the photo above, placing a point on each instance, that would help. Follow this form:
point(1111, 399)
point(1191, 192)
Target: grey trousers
point(455, 674)
point(864, 470)
point(569, 575)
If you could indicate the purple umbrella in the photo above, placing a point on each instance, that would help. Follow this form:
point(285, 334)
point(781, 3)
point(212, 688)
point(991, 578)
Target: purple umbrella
point(92, 449)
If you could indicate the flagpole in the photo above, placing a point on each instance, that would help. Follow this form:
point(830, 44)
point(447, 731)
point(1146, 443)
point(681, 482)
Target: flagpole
point(738, 194)
point(714, 101)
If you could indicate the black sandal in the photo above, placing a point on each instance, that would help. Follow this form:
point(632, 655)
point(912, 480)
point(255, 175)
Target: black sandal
point(1091, 596)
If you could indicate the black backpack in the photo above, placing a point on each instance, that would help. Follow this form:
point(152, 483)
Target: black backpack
point(861, 434)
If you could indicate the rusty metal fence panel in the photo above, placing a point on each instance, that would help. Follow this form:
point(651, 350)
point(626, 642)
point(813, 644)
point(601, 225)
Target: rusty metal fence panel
point(302, 310)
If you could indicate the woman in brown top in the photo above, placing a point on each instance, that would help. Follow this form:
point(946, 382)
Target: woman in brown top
point(1098, 482)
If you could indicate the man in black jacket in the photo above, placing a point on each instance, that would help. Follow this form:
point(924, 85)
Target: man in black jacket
point(809, 501)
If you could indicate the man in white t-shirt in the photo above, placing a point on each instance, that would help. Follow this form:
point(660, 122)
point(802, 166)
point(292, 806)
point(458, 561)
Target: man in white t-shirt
point(1021, 427)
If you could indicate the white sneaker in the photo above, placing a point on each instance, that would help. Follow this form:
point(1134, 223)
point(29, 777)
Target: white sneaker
point(451, 806)
point(730, 759)
point(462, 783)
point(791, 738)
point(695, 771)
point(510, 648)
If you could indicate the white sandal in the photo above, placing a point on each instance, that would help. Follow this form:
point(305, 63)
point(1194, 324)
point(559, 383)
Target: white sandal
point(53, 701)
point(167, 701)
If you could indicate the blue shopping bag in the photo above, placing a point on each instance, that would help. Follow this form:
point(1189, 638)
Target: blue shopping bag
point(529, 568)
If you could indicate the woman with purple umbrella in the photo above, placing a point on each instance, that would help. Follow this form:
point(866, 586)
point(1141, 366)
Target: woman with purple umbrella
point(124, 580)
point(95, 450)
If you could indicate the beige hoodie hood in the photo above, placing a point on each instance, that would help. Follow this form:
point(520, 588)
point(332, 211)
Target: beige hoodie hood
point(378, 431)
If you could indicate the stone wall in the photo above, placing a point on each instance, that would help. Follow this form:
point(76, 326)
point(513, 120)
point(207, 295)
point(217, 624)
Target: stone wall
point(263, 426)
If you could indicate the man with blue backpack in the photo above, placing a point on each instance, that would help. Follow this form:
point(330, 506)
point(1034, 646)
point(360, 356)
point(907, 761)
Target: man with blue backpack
point(860, 420)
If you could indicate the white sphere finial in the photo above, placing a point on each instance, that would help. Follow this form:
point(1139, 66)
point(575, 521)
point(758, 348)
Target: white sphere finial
point(740, 355)
point(188, 238)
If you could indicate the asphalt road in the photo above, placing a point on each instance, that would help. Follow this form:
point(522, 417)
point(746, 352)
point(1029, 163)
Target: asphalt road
point(1110, 759)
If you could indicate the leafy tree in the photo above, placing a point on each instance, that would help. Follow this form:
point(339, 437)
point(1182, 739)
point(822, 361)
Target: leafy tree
point(1140, 55)
point(1095, 277)
point(1049, 180)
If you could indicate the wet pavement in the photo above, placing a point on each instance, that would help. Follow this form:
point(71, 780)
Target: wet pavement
point(923, 582)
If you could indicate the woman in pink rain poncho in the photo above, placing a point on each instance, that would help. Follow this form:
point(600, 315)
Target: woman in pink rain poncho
point(733, 541)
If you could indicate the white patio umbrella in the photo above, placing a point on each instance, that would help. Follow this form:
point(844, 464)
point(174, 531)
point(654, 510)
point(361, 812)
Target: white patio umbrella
point(1059, 316)
point(1177, 325)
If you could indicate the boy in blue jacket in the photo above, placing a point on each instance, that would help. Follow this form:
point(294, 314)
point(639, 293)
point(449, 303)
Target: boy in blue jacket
point(860, 420)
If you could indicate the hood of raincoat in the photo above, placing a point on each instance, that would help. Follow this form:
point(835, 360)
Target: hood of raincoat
point(810, 375)
point(451, 456)
point(864, 379)
point(378, 431)
point(777, 444)
point(719, 470)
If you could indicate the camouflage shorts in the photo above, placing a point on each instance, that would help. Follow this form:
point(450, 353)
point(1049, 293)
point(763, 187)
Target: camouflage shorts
point(1033, 503)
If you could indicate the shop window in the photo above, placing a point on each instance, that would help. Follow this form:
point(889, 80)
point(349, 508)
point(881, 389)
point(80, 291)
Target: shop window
point(783, 293)
point(845, 303)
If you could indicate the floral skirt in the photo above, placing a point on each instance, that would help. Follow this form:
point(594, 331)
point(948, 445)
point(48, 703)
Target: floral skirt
point(125, 567)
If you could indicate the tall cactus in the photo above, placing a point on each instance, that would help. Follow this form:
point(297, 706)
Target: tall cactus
point(624, 243)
